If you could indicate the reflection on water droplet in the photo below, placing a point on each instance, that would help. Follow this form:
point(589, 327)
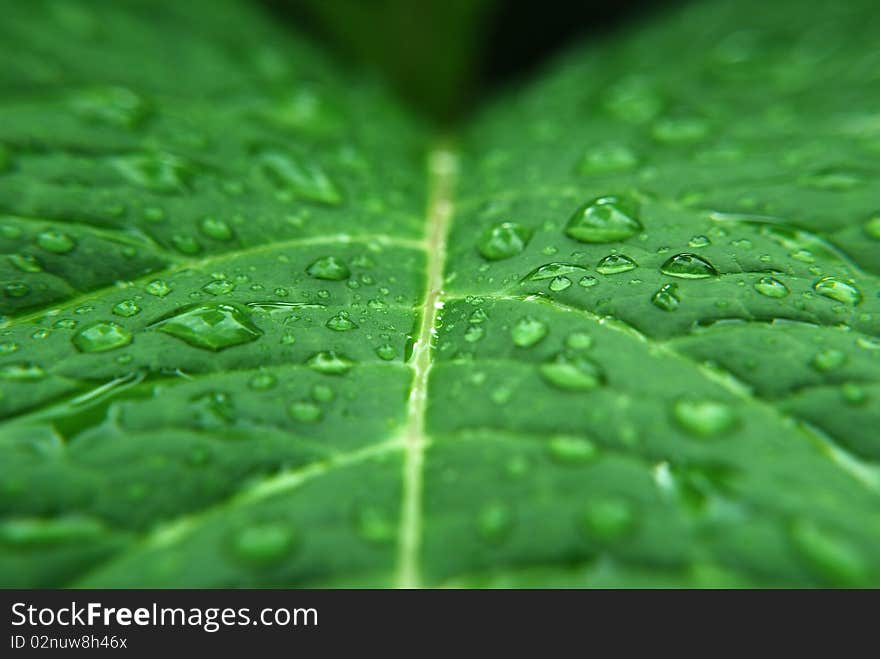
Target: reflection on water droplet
point(771, 287)
point(56, 242)
point(699, 241)
point(614, 264)
point(212, 326)
point(703, 418)
point(126, 308)
point(329, 363)
point(101, 336)
point(305, 411)
point(329, 268)
point(158, 287)
point(558, 284)
point(688, 266)
point(341, 322)
point(571, 450)
point(219, 287)
point(503, 241)
point(528, 331)
point(215, 228)
point(666, 298)
point(604, 220)
point(839, 290)
point(572, 372)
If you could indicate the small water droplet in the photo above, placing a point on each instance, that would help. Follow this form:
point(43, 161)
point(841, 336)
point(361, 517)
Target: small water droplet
point(853, 393)
point(828, 360)
point(160, 171)
point(478, 316)
point(158, 287)
point(126, 308)
point(329, 363)
point(56, 242)
point(386, 352)
point(872, 227)
point(8, 347)
point(771, 287)
point(552, 271)
point(606, 158)
point(305, 411)
point(262, 381)
point(25, 263)
point(571, 450)
point(330, 268)
point(528, 331)
point(699, 241)
point(215, 228)
point(21, 371)
point(212, 326)
point(558, 284)
point(322, 393)
point(185, 244)
point(264, 544)
point(839, 290)
point(614, 264)
point(604, 220)
point(688, 266)
point(219, 287)
point(588, 281)
point(474, 333)
point(495, 522)
point(101, 336)
point(607, 519)
point(703, 418)
point(578, 341)
point(504, 240)
point(666, 298)
point(374, 525)
point(572, 372)
point(341, 322)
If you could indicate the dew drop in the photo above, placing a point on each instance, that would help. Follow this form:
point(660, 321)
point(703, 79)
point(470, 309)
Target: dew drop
point(604, 220)
point(614, 264)
point(839, 290)
point(126, 309)
point(307, 181)
point(828, 360)
point(528, 331)
point(688, 266)
point(8, 347)
point(474, 333)
point(571, 450)
point(329, 268)
point(771, 287)
point(185, 244)
point(56, 242)
point(264, 544)
point(572, 372)
point(305, 411)
point(262, 381)
point(212, 326)
point(666, 298)
point(25, 263)
point(495, 522)
point(341, 322)
point(329, 363)
point(101, 336)
point(703, 418)
point(22, 371)
point(219, 287)
point(588, 281)
point(386, 352)
point(872, 227)
point(558, 284)
point(699, 241)
point(158, 287)
point(578, 341)
point(16, 289)
point(215, 228)
point(607, 519)
point(478, 316)
point(161, 171)
point(504, 240)
point(607, 158)
point(552, 271)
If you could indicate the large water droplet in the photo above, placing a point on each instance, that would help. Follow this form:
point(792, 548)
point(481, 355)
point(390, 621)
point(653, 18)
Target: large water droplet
point(614, 264)
point(666, 298)
point(572, 372)
point(101, 336)
point(703, 418)
point(504, 240)
point(212, 326)
point(341, 322)
point(604, 220)
point(688, 266)
point(528, 331)
point(264, 544)
point(839, 290)
point(56, 242)
point(771, 287)
point(329, 363)
point(329, 268)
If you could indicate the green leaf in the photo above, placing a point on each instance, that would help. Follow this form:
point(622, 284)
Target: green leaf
point(264, 329)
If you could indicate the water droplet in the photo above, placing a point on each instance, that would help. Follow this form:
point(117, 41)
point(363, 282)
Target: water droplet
point(307, 181)
point(607, 519)
point(703, 418)
point(25, 263)
point(34, 532)
point(578, 341)
point(21, 371)
point(771, 287)
point(212, 326)
point(262, 381)
point(16, 289)
point(55, 242)
point(8, 347)
point(101, 336)
point(587, 282)
point(528, 331)
point(386, 352)
point(571, 450)
point(288, 339)
point(558, 284)
point(185, 244)
point(219, 287)
point(329, 268)
point(329, 363)
point(374, 525)
point(872, 227)
point(341, 322)
point(305, 411)
point(264, 544)
point(114, 105)
point(853, 393)
point(215, 228)
point(162, 171)
point(677, 130)
point(158, 287)
point(828, 360)
point(688, 266)
point(552, 271)
point(666, 298)
point(832, 556)
point(495, 522)
point(572, 372)
point(604, 220)
point(614, 264)
point(504, 240)
point(474, 333)
point(839, 290)
point(322, 393)
point(478, 316)
point(126, 308)
point(699, 241)
point(606, 158)
point(40, 334)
